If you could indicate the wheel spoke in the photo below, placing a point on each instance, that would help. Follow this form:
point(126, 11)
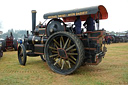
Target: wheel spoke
point(56, 45)
point(60, 62)
point(66, 43)
point(57, 61)
point(73, 58)
point(56, 42)
point(60, 42)
point(63, 62)
point(21, 51)
point(22, 58)
point(52, 48)
point(72, 50)
point(53, 55)
point(69, 43)
point(55, 58)
point(69, 64)
point(72, 61)
point(70, 47)
point(21, 54)
point(54, 52)
point(72, 53)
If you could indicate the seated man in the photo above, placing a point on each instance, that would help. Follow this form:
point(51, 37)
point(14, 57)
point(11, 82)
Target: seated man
point(77, 24)
point(11, 36)
point(90, 24)
point(39, 25)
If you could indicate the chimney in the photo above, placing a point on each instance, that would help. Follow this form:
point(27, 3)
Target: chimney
point(33, 20)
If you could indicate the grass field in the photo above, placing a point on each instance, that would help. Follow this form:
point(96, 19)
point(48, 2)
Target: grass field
point(113, 70)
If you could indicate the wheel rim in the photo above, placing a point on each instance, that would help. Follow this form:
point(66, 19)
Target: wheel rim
point(22, 55)
point(62, 54)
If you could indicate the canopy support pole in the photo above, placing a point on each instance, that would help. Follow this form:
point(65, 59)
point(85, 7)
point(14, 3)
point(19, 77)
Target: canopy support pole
point(98, 20)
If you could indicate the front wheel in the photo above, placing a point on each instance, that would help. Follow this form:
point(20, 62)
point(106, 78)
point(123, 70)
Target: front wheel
point(64, 52)
point(22, 54)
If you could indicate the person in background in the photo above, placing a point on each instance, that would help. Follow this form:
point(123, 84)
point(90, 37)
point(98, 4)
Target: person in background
point(20, 41)
point(108, 41)
point(104, 40)
point(11, 36)
point(77, 24)
point(39, 25)
point(89, 24)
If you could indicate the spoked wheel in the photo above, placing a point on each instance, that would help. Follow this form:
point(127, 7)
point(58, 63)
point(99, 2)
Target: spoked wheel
point(22, 54)
point(64, 52)
point(43, 58)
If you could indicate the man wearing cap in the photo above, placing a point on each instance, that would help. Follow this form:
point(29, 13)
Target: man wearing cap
point(90, 24)
point(77, 24)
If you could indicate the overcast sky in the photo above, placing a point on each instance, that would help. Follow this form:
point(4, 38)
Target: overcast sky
point(16, 14)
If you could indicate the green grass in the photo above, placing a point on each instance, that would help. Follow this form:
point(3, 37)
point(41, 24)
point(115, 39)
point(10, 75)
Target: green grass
point(113, 70)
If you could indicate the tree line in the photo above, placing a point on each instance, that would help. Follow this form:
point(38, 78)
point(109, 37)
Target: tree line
point(16, 34)
point(20, 33)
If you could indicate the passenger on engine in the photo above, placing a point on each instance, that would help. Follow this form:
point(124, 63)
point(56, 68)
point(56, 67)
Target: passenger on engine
point(77, 24)
point(39, 25)
point(11, 36)
point(89, 24)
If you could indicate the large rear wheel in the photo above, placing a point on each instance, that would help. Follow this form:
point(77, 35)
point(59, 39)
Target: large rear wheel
point(64, 52)
point(22, 54)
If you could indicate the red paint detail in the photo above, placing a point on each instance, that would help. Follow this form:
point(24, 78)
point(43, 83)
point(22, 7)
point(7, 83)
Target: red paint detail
point(103, 15)
point(64, 51)
point(9, 43)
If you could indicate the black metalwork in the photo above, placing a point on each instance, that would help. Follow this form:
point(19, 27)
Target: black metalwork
point(33, 20)
point(58, 45)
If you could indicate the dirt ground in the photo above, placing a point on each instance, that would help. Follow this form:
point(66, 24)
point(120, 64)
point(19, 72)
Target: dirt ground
point(113, 70)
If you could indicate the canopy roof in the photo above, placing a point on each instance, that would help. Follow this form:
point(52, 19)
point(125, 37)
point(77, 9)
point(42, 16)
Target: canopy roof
point(69, 15)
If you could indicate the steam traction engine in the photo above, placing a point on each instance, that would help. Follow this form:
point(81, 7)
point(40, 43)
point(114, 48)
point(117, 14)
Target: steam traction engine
point(9, 43)
point(64, 50)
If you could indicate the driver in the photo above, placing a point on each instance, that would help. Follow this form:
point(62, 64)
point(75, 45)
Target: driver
point(90, 24)
point(77, 24)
